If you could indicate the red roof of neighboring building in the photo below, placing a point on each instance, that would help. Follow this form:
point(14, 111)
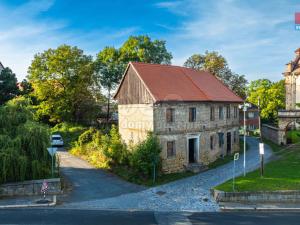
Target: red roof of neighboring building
point(175, 83)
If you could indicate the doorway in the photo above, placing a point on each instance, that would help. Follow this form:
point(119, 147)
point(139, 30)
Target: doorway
point(193, 149)
point(228, 142)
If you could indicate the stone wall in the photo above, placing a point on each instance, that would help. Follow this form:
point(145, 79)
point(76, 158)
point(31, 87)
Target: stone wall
point(202, 129)
point(135, 121)
point(32, 187)
point(271, 133)
point(258, 196)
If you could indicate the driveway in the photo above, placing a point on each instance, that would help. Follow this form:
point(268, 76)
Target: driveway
point(190, 194)
point(88, 183)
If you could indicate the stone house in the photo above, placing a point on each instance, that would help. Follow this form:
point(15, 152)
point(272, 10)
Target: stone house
point(194, 115)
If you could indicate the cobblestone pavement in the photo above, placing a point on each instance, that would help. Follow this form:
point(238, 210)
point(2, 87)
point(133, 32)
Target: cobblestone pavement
point(190, 194)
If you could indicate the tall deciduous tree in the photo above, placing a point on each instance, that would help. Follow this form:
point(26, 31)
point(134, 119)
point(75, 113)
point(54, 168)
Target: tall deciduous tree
point(111, 62)
point(62, 80)
point(143, 49)
point(218, 66)
point(109, 69)
point(8, 85)
point(271, 96)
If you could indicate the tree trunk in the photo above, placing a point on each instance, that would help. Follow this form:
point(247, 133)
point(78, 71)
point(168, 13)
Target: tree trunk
point(108, 106)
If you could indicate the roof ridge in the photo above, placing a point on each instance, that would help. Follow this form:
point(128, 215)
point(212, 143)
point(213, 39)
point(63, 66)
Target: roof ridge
point(167, 65)
point(194, 84)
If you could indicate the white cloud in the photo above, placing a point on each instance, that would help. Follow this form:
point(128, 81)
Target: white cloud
point(22, 35)
point(257, 38)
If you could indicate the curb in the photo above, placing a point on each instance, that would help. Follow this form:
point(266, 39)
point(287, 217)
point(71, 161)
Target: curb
point(258, 209)
point(53, 203)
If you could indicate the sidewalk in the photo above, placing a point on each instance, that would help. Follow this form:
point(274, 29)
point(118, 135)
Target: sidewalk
point(238, 206)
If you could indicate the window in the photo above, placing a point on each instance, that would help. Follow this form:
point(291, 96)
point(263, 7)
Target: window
point(221, 113)
point(192, 114)
point(250, 115)
point(170, 115)
point(228, 112)
point(170, 148)
point(212, 113)
point(211, 142)
point(235, 115)
point(221, 139)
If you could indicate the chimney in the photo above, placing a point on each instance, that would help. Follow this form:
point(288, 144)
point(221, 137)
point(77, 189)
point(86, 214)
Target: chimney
point(297, 52)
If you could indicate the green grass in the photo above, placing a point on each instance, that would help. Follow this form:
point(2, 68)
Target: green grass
point(161, 179)
point(282, 174)
point(227, 158)
point(294, 135)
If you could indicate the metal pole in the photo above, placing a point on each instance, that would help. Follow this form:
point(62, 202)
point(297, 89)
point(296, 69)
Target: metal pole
point(52, 166)
point(259, 121)
point(233, 175)
point(244, 109)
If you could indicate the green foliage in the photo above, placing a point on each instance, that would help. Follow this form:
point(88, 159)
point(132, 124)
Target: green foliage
point(23, 144)
point(294, 136)
point(143, 49)
point(63, 82)
point(145, 155)
point(87, 136)
point(8, 85)
point(69, 132)
point(218, 66)
point(111, 62)
point(271, 96)
point(109, 152)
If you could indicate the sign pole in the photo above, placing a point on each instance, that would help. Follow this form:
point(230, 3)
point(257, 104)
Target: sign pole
point(52, 166)
point(235, 158)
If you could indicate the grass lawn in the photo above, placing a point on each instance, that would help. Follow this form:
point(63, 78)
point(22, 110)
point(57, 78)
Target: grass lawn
point(282, 174)
point(227, 158)
point(294, 135)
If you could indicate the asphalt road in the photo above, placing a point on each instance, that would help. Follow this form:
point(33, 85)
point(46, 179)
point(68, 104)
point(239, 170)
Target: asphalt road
point(88, 183)
point(91, 217)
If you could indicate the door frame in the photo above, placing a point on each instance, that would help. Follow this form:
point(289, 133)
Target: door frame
point(197, 147)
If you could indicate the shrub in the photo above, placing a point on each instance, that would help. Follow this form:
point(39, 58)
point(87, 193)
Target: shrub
point(145, 155)
point(87, 136)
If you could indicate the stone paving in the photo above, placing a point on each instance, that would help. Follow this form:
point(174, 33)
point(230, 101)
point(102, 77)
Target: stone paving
point(189, 194)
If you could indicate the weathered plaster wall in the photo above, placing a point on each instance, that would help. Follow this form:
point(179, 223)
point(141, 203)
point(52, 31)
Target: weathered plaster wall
point(135, 121)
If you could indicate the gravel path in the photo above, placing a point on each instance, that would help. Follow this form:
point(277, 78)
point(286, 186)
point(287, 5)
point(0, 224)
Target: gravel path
point(190, 194)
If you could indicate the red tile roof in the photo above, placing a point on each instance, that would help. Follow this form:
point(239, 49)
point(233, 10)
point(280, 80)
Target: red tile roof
point(175, 83)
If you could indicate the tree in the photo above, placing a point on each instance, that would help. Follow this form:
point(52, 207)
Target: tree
point(25, 87)
point(271, 96)
point(8, 85)
point(111, 62)
point(143, 49)
point(217, 65)
point(109, 70)
point(63, 80)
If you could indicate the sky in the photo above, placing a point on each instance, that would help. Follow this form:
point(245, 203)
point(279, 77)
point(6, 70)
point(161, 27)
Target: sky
point(256, 37)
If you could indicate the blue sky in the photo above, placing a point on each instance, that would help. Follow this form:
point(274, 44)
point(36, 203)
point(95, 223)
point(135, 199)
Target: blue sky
point(256, 37)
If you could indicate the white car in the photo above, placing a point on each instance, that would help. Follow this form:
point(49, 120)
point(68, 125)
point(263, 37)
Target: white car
point(56, 140)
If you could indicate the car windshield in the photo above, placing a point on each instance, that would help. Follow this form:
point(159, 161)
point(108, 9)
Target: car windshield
point(56, 138)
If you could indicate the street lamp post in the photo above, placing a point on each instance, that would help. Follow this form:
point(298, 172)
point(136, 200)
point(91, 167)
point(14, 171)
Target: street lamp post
point(244, 107)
